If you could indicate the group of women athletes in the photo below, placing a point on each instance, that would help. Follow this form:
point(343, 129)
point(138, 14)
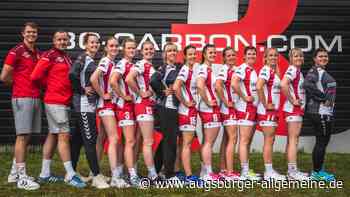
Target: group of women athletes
point(131, 95)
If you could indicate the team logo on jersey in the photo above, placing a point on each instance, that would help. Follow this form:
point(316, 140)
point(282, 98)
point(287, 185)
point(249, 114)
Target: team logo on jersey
point(26, 54)
point(59, 59)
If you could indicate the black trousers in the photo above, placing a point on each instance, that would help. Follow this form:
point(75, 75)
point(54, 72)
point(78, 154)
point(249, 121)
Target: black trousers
point(323, 126)
point(85, 134)
point(166, 152)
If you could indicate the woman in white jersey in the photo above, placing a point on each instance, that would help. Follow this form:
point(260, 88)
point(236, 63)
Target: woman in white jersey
point(244, 84)
point(209, 110)
point(293, 107)
point(138, 80)
point(106, 107)
point(125, 106)
point(228, 113)
point(185, 91)
point(268, 88)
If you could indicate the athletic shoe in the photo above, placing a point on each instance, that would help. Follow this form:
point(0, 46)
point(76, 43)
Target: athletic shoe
point(50, 179)
point(300, 176)
point(180, 175)
point(229, 176)
point(322, 176)
point(76, 181)
point(99, 182)
point(135, 182)
point(251, 175)
point(119, 182)
point(106, 178)
point(13, 178)
point(86, 179)
point(210, 177)
point(194, 179)
point(274, 175)
point(27, 184)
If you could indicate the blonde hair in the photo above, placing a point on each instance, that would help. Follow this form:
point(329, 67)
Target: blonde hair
point(292, 52)
point(168, 44)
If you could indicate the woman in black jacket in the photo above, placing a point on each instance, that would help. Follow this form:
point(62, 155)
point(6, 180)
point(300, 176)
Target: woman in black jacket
point(84, 107)
point(320, 89)
point(162, 83)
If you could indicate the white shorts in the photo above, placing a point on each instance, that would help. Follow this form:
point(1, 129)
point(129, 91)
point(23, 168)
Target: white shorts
point(243, 122)
point(266, 123)
point(144, 117)
point(294, 119)
point(106, 112)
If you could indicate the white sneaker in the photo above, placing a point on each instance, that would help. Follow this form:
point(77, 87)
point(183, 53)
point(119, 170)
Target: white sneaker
point(274, 175)
point(251, 175)
point(99, 182)
point(119, 183)
point(86, 179)
point(297, 175)
point(27, 184)
point(13, 178)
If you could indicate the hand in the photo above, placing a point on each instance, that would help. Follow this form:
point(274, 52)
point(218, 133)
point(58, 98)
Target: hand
point(229, 104)
point(168, 91)
point(127, 98)
point(296, 102)
point(212, 103)
point(107, 96)
point(89, 91)
point(146, 94)
point(248, 99)
point(270, 106)
point(190, 103)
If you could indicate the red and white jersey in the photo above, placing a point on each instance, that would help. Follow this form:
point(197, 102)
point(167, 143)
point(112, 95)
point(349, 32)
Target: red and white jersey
point(225, 74)
point(188, 90)
point(247, 85)
point(123, 67)
point(271, 88)
point(208, 75)
point(144, 71)
point(106, 66)
point(295, 76)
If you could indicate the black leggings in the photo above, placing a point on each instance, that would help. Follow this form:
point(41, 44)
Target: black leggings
point(85, 133)
point(323, 125)
point(166, 152)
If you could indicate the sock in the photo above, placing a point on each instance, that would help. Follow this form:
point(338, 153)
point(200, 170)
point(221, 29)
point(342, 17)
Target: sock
point(292, 167)
point(13, 167)
point(268, 168)
point(152, 173)
point(203, 169)
point(21, 169)
point(132, 172)
point(245, 168)
point(69, 169)
point(208, 169)
point(45, 168)
point(119, 170)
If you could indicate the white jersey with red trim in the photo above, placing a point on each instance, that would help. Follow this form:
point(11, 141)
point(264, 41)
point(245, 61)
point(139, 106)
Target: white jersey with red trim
point(123, 67)
point(296, 78)
point(247, 85)
point(144, 71)
point(271, 88)
point(188, 90)
point(106, 66)
point(225, 74)
point(209, 76)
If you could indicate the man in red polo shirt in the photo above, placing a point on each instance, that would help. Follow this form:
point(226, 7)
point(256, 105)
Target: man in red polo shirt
point(26, 105)
point(54, 66)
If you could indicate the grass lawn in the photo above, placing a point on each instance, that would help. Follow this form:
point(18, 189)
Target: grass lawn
point(338, 163)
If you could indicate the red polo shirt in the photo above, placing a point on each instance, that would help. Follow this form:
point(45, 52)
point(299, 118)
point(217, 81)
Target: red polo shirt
point(54, 66)
point(23, 61)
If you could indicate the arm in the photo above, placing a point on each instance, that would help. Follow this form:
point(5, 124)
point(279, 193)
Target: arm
point(6, 74)
point(219, 88)
point(116, 88)
point(202, 91)
point(285, 90)
point(260, 90)
point(235, 85)
point(40, 69)
point(177, 88)
point(95, 84)
point(311, 89)
point(74, 74)
point(131, 81)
